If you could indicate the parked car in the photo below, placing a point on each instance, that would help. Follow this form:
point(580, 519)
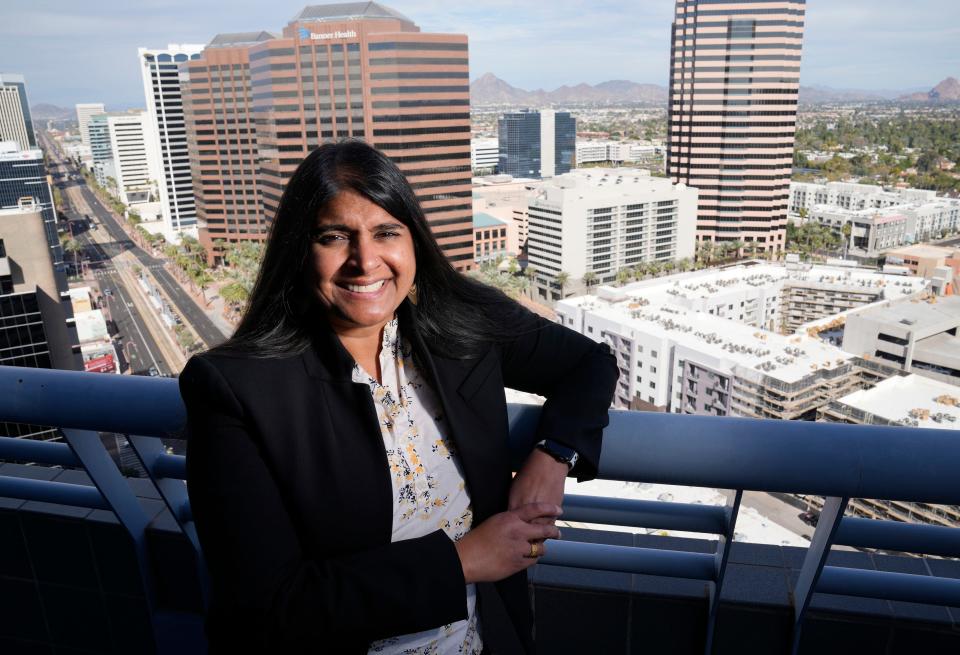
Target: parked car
point(809, 517)
point(154, 372)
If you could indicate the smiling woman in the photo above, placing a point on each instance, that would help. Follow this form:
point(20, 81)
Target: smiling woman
point(347, 463)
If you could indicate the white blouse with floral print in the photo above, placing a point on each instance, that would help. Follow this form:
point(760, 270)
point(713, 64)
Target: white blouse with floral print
point(428, 485)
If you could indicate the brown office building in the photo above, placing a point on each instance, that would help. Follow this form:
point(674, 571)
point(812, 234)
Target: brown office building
point(353, 70)
point(222, 141)
point(734, 81)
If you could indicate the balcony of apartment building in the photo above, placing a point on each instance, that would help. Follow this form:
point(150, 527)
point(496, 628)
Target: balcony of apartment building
point(92, 561)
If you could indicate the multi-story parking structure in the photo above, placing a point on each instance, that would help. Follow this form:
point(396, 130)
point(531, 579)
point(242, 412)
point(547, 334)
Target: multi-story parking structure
point(913, 401)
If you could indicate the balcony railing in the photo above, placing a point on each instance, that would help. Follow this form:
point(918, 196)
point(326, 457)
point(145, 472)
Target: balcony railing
point(832, 460)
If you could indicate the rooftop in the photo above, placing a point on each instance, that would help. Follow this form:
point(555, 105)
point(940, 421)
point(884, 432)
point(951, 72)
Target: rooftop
point(921, 250)
point(348, 11)
point(914, 399)
point(917, 312)
point(240, 38)
point(610, 183)
point(481, 220)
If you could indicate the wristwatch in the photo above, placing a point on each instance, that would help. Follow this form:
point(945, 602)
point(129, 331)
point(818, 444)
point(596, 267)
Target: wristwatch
point(559, 452)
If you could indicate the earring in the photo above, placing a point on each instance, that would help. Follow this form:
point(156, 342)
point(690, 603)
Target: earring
point(412, 294)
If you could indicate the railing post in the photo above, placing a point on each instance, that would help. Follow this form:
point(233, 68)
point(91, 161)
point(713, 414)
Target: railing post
point(112, 485)
point(724, 542)
point(813, 563)
point(174, 493)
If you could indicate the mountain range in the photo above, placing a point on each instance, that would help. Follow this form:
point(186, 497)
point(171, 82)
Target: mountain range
point(491, 90)
point(947, 91)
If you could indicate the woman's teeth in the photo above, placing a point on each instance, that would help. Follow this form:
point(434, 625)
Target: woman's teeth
point(370, 288)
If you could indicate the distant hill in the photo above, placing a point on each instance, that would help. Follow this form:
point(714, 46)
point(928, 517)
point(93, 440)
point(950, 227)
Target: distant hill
point(491, 90)
point(947, 91)
point(44, 111)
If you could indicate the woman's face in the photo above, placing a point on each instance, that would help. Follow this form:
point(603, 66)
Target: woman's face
point(363, 263)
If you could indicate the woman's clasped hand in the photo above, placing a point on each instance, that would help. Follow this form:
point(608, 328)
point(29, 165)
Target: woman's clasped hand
point(501, 545)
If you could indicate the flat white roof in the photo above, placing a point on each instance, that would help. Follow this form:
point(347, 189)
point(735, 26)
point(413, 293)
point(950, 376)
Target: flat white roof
point(895, 398)
point(655, 307)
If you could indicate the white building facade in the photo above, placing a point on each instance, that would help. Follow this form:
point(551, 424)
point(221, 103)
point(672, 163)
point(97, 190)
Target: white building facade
point(159, 69)
point(84, 112)
point(599, 221)
point(484, 155)
point(133, 160)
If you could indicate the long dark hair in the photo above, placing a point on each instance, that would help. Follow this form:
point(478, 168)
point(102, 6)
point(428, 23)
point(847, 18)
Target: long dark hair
point(452, 309)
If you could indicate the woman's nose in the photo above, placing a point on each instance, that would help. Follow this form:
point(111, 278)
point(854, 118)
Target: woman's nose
point(364, 254)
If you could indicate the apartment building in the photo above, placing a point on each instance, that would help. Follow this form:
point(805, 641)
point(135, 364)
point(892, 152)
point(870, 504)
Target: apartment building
point(595, 222)
point(734, 82)
point(704, 342)
point(852, 196)
point(614, 152)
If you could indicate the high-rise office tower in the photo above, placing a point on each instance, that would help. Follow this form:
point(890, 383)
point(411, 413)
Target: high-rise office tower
point(159, 69)
point(222, 138)
point(537, 143)
point(84, 112)
point(363, 70)
point(16, 124)
point(101, 150)
point(734, 80)
point(132, 157)
point(23, 178)
point(33, 309)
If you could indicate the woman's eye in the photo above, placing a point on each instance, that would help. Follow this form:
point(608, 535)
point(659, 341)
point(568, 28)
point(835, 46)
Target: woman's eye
point(387, 234)
point(327, 239)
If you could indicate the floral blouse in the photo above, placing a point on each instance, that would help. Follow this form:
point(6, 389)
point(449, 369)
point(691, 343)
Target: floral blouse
point(428, 485)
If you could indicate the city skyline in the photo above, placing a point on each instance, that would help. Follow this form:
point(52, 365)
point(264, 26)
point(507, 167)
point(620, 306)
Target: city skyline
point(848, 44)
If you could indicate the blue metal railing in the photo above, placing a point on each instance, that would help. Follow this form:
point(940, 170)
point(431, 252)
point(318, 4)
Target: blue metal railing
point(832, 460)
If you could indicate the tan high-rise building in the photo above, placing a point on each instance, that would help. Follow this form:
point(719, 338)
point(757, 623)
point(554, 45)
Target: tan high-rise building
point(734, 81)
point(352, 70)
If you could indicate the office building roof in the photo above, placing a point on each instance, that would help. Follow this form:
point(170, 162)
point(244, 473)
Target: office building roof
point(240, 38)
point(481, 220)
point(348, 11)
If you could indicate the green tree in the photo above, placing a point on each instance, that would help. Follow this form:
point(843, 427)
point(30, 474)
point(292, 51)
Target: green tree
point(589, 279)
point(562, 278)
point(73, 247)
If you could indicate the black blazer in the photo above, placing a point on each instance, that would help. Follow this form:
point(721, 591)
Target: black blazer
point(287, 477)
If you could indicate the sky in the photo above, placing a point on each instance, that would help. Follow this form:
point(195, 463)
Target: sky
point(73, 52)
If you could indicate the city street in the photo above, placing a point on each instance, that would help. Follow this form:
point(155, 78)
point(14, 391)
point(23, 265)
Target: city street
point(185, 305)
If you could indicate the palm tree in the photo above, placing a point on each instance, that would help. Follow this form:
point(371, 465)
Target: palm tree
point(624, 275)
point(589, 279)
point(561, 279)
point(73, 247)
point(846, 231)
point(531, 274)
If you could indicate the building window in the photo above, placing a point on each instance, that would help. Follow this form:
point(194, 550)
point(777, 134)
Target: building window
point(653, 385)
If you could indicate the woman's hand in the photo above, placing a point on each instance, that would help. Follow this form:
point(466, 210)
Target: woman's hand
point(540, 480)
point(500, 546)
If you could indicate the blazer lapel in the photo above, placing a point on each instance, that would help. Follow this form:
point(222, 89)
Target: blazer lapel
point(482, 451)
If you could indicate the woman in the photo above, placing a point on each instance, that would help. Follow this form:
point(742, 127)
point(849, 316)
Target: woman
point(347, 462)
